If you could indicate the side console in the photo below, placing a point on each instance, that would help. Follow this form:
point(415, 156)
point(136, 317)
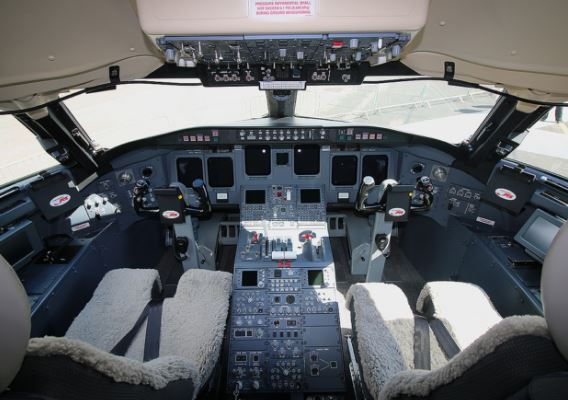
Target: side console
point(285, 333)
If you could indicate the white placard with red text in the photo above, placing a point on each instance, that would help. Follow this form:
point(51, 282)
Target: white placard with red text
point(281, 8)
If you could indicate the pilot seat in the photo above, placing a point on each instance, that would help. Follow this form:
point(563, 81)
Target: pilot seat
point(107, 351)
point(457, 345)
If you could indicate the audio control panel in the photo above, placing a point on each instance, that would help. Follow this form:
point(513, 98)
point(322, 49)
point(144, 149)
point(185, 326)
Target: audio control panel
point(285, 333)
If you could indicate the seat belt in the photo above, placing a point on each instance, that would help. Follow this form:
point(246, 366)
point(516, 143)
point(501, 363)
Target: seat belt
point(153, 329)
point(153, 312)
point(421, 343)
point(445, 339)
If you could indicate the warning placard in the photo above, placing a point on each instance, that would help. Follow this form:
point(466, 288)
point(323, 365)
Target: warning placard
point(282, 8)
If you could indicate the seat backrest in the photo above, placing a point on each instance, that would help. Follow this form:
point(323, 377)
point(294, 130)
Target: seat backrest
point(554, 286)
point(15, 323)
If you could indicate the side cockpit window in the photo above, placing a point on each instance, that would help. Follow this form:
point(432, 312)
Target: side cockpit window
point(20, 153)
point(545, 146)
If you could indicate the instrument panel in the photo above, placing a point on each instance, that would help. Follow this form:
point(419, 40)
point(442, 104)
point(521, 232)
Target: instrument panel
point(339, 170)
point(334, 159)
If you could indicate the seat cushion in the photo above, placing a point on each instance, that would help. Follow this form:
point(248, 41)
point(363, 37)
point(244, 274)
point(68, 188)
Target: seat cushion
point(384, 329)
point(495, 366)
point(193, 321)
point(156, 373)
point(463, 308)
point(114, 308)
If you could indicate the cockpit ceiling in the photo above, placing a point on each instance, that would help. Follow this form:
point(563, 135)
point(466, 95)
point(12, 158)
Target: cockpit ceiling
point(54, 46)
point(518, 44)
point(234, 17)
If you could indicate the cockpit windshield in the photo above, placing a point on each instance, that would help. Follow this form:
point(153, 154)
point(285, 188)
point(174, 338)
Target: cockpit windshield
point(133, 112)
point(427, 108)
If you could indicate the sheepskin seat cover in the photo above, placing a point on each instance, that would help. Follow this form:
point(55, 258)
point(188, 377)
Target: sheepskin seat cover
point(114, 308)
point(420, 383)
point(384, 331)
point(193, 322)
point(465, 309)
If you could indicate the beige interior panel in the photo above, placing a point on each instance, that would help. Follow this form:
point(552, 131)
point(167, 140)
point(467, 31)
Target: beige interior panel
point(432, 64)
point(237, 17)
point(514, 42)
point(49, 45)
point(131, 68)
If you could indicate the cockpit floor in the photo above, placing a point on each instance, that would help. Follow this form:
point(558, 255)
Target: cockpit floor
point(398, 270)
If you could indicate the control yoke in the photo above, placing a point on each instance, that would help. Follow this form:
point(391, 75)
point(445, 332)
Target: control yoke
point(142, 189)
point(421, 200)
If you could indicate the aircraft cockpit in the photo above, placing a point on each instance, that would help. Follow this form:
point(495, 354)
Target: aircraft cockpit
point(299, 200)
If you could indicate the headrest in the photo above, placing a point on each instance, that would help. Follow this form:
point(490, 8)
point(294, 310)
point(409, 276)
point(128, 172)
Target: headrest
point(554, 287)
point(15, 323)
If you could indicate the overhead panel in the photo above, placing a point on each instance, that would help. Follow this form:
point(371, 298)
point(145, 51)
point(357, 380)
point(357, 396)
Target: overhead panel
point(253, 59)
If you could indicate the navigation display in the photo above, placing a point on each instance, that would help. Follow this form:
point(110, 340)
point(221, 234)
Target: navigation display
point(376, 166)
point(344, 170)
point(255, 197)
point(189, 169)
point(307, 159)
point(220, 171)
point(308, 196)
point(257, 160)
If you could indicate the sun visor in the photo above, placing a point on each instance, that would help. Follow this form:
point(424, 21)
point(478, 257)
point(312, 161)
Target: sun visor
point(54, 195)
point(232, 17)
